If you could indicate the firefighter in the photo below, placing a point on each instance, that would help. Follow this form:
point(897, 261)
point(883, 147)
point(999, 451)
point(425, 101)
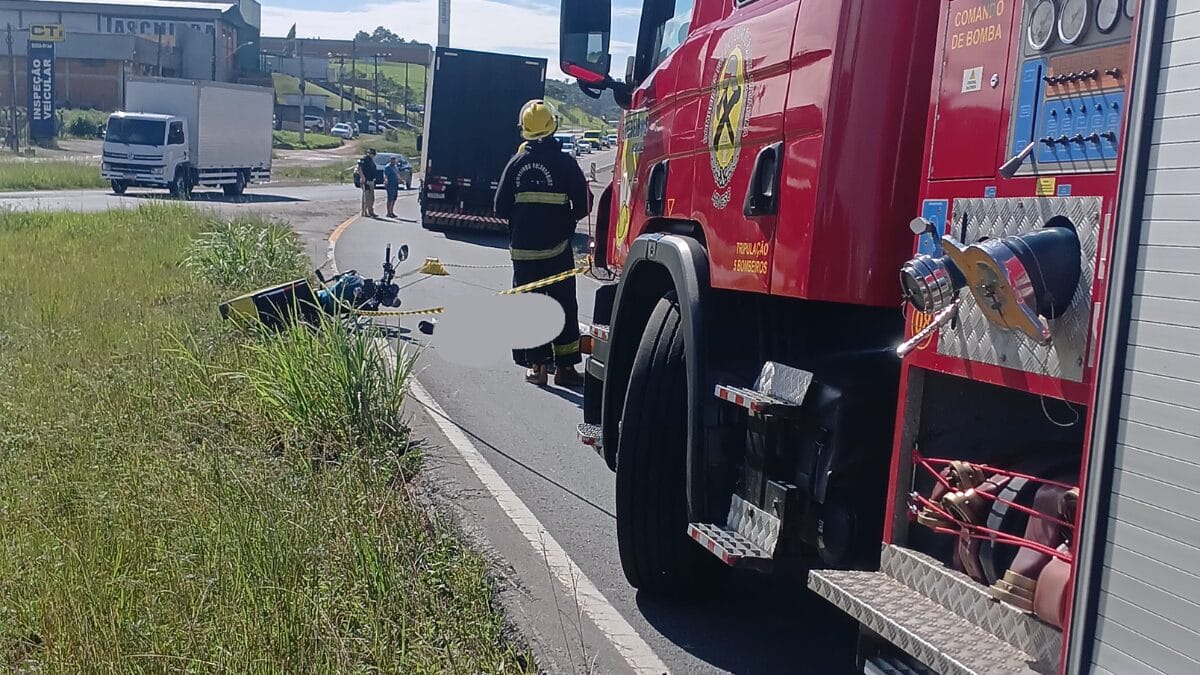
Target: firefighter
point(543, 193)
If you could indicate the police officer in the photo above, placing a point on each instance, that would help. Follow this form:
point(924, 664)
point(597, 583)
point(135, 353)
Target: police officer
point(543, 193)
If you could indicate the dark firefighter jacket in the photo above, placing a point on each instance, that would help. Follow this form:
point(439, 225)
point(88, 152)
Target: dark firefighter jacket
point(543, 194)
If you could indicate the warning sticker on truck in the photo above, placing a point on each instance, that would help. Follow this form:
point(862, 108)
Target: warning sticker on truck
point(972, 79)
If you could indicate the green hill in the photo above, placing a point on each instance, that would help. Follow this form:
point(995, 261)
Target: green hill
point(576, 108)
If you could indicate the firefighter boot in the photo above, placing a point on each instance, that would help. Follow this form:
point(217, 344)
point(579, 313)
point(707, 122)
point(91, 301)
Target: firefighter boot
point(568, 377)
point(537, 375)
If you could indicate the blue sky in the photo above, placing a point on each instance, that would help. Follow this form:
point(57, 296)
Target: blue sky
point(516, 26)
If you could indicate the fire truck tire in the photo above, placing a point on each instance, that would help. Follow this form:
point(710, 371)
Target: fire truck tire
point(657, 556)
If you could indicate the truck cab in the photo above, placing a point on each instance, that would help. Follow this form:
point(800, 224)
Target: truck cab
point(143, 150)
point(757, 215)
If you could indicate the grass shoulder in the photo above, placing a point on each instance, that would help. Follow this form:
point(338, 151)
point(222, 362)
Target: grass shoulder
point(290, 140)
point(34, 173)
point(180, 496)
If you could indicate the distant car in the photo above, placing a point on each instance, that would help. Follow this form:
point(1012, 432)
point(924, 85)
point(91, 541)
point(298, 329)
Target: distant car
point(585, 146)
point(342, 130)
point(368, 128)
point(612, 139)
point(381, 161)
point(397, 123)
point(314, 123)
point(568, 145)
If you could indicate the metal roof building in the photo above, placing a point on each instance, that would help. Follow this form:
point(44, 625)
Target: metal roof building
point(107, 40)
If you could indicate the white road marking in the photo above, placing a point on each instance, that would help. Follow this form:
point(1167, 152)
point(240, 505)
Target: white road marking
point(624, 637)
point(640, 657)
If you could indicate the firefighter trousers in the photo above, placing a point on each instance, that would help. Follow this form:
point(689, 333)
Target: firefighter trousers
point(564, 349)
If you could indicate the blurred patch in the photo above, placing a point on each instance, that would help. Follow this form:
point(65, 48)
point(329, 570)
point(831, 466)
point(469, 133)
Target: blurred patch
point(482, 331)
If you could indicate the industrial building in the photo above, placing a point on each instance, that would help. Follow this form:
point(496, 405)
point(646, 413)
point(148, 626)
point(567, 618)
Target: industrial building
point(107, 40)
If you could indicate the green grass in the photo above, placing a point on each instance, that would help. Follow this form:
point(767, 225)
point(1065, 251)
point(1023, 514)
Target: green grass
point(333, 172)
point(402, 141)
point(290, 140)
point(83, 123)
point(244, 252)
point(177, 496)
point(577, 117)
point(286, 84)
point(18, 174)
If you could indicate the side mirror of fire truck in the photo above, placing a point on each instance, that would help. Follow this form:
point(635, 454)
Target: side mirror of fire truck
point(585, 29)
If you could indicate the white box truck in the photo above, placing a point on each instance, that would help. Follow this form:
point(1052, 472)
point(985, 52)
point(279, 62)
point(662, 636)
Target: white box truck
point(182, 133)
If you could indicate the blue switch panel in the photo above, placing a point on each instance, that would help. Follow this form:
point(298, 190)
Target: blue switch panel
point(1090, 123)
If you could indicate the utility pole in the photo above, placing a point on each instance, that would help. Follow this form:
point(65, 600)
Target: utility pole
point(375, 113)
point(12, 110)
point(300, 47)
point(406, 93)
point(341, 90)
point(443, 23)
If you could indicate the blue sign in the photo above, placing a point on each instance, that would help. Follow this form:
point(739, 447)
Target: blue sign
point(933, 210)
point(40, 57)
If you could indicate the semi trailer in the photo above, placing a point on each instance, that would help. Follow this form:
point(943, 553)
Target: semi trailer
point(178, 134)
point(471, 131)
point(908, 308)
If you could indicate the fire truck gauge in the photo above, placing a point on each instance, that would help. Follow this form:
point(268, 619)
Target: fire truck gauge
point(1072, 21)
point(1107, 13)
point(1041, 25)
point(1130, 8)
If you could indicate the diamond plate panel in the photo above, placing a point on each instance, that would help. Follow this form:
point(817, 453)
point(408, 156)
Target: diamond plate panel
point(754, 524)
point(975, 338)
point(970, 600)
point(927, 631)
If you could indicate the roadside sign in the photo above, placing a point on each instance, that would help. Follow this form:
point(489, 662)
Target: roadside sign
point(40, 56)
point(46, 32)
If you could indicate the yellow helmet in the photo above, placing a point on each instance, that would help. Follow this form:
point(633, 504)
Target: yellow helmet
point(538, 120)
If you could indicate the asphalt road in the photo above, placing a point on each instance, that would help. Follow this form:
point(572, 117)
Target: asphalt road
point(528, 435)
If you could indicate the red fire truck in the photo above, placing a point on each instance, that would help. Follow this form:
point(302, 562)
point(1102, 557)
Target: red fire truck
point(993, 465)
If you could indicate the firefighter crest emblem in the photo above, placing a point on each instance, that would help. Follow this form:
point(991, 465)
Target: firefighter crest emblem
point(728, 115)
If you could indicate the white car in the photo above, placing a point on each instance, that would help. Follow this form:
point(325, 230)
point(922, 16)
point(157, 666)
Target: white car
point(585, 146)
point(314, 123)
point(568, 145)
point(342, 130)
point(612, 140)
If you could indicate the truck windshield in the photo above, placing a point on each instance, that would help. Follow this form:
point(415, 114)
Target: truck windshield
point(135, 131)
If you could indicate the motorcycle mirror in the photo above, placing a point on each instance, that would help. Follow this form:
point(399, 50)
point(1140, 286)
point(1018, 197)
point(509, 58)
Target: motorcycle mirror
point(402, 254)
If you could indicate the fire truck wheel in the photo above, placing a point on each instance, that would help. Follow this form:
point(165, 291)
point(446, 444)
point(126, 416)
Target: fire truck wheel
point(656, 554)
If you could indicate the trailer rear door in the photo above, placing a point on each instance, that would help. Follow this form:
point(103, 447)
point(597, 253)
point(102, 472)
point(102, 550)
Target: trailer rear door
point(1138, 596)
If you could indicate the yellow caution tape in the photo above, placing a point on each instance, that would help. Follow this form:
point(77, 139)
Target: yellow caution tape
point(409, 312)
point(548, 281)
